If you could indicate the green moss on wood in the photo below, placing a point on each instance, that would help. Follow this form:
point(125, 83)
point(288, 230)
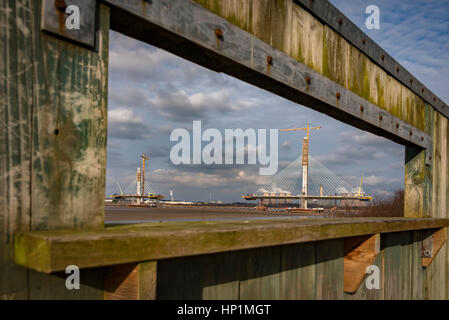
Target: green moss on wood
point(157, 241)
point(380, 93)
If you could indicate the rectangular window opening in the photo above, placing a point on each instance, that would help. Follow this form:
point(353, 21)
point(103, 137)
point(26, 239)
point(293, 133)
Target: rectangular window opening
point(187, 143)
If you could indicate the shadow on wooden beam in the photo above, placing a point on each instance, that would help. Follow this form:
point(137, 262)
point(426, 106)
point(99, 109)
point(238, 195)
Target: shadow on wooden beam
point(360, 252)
point(431, 244)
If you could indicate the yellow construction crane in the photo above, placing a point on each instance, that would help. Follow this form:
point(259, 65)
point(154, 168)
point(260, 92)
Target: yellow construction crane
point(143, 157)
point(305, 159)
point(305, 145)
point(361, 195)
point(307, 129)
point(360, 187)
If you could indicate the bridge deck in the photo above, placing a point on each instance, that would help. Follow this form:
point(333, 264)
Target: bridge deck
point(362, 198)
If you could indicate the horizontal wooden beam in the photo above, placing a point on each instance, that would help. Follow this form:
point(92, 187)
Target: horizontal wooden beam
point(335, 19)
point(50, 251)
point(195, 33)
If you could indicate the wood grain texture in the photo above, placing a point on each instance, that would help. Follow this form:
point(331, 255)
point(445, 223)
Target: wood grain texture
point(217, 276)
point(49, 251)
point(131, 281)
point(398, 265)
point(436, 275)
point(292, 29)
point(259, 274)
point(53, 107)
point(69, 132)
point(363, 293)
point(414, 182)
point(244, 55)
point(209, 277)
point(122, 282)
point(16, 108)
point(360, 253)
point(329, 269)
point(297, 276)
point(419, 287)
point(170, 279)
point(437, 239)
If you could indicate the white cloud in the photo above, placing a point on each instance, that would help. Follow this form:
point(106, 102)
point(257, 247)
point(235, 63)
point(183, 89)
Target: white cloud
point(178, 105)
point(358, 147)
point(125, 124)
point(123, 116)
point(232, 178)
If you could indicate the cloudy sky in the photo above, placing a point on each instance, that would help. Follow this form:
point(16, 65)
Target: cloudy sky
point(152, 92)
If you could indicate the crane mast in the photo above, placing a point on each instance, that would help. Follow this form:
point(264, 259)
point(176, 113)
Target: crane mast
point(144, 157)
point(305, 159)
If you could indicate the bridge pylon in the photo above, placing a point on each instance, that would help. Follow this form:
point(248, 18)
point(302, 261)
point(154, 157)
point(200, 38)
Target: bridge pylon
point(305, 160)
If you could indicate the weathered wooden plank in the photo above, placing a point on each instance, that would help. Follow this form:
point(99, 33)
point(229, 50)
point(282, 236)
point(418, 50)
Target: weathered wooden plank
point(432, 245)
point(398, 265)
point(443, 208)
point(147, 280)
point(378, 86)
point(244, 56)
point(428, 179)
point(69, 135)
point(357, 68)
point(297, 276)
point(16, 87)
point(122, 282)
point(170, 279)
point(49, 251)
point(131, 281)
point(39, 77)
point(13, 278)
point(306, 39)
point(437, 278)
point(221, 277)
point(329, 269)
point(274, 21)
point(436, 273)
point(418, 290)
point(363, 293)
point(235, 11)
point(332, 17)
point(281, 24)
point(69, 132)
point(260, 274)
point(414, 182)
point(335, 57)
point(213, 276)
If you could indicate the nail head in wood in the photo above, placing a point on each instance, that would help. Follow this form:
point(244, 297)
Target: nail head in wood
point(308, 80)
point(219, 33)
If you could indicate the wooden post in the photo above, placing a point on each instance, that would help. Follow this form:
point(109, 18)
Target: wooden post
point(53, 130)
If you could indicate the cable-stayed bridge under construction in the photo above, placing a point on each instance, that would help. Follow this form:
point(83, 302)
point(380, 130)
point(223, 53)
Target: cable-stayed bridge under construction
point(326, 185)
